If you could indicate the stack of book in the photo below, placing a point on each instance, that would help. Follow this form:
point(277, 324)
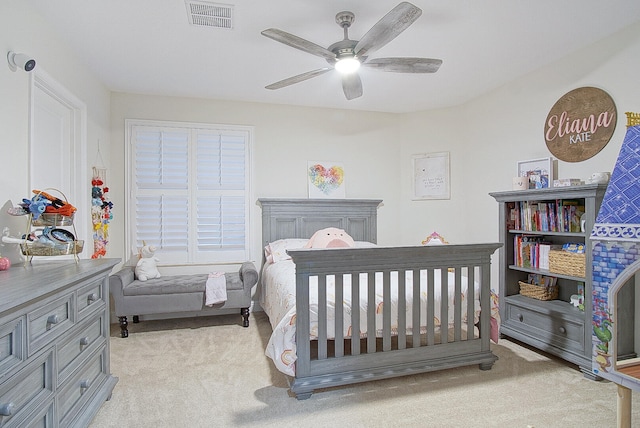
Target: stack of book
point(532, 251)
point(562, 215)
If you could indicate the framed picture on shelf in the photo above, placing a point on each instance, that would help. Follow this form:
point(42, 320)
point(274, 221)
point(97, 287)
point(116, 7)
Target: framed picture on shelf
point(539, 172)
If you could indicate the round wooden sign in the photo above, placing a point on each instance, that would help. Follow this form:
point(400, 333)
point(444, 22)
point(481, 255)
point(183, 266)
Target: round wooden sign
point(580, 124)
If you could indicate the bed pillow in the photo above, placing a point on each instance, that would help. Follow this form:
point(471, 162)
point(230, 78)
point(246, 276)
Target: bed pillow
point(277, 250)
point(330, 237)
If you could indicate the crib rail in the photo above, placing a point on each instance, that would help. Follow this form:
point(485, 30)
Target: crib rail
point(380, 351)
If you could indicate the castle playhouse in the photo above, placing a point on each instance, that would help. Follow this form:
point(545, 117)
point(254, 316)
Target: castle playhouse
point(616, 260)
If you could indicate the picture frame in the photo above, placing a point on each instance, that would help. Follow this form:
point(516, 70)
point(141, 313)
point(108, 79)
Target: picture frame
point(325, 180)
point(538, 171)
point(431, 176)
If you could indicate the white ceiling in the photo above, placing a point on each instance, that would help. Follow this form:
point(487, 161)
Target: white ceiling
point(149, 47)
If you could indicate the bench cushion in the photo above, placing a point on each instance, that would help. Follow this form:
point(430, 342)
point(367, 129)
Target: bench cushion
point(177, 284)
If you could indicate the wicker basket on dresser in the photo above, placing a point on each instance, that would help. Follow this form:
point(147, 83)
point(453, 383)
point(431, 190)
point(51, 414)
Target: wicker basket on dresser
point(54, 343)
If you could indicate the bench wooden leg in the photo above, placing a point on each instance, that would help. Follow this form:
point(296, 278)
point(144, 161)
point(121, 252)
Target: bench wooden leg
point(245, 316)
point(124, 331)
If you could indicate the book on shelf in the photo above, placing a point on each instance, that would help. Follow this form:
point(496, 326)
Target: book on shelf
point(562, 215)
point(544, 249)
point(513, 216)
point(527, 251)
point(541, 280)
point(568, 212)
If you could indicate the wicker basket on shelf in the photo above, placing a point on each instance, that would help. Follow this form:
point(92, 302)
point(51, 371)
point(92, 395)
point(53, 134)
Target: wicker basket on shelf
point(567, 263)
point(539, 292)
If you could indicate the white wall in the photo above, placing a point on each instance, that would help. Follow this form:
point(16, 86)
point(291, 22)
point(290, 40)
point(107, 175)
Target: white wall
point(486, 137)
point(23, 30)
point(285, 139)
point(489, 135)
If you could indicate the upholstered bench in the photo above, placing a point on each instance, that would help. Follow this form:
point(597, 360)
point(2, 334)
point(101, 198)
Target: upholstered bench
point(178, 294)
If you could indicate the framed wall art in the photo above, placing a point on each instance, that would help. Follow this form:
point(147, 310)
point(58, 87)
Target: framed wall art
point(325, 180)
point(539, 172)
point(431, 176)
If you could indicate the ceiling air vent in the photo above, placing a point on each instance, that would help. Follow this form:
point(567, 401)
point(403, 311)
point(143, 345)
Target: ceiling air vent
point(205, 14)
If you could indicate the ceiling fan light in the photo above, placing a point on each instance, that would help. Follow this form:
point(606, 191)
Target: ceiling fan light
point(347, 65)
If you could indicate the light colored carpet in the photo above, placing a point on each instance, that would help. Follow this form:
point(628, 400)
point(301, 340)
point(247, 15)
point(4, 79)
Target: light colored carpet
point(211, 372)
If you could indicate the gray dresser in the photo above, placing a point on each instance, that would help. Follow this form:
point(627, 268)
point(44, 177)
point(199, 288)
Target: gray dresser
point(54, 343)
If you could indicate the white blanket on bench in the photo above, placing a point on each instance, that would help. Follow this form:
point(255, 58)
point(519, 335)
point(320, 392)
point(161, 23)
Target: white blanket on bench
point(215, 289)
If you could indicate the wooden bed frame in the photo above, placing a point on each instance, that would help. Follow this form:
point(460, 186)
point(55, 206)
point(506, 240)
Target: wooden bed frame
point(325, 362)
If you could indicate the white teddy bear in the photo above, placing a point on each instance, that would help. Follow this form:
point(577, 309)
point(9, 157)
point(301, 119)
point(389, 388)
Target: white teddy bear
point(146, 267)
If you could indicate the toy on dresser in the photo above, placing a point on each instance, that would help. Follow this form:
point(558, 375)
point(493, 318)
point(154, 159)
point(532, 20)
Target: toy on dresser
point(147, 268)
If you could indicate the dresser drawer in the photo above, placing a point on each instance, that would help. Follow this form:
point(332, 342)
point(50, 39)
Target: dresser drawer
point(551, 328)
point(89, 298)
point(11, 345)
point(26, 390)
point(82, 342)
point(48, 322)
point(44, 418)
point(81, 386)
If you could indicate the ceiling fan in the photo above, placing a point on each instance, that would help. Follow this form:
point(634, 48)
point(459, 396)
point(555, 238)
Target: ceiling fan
point(346, 56)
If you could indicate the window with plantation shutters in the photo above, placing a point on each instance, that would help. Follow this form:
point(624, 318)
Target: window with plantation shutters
point(190, 191)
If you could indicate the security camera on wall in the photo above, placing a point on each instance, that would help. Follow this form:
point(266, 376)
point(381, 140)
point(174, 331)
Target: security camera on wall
point(20, 60)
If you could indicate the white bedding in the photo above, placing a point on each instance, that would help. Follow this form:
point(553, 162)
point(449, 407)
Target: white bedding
point(279, 302)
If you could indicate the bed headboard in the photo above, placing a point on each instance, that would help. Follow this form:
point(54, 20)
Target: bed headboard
point(300, 218)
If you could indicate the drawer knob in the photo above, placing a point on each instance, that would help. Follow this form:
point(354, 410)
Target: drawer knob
point(6, 409)
point(92, 297)
point(53, 319)
point(85, 384)
point(520, 317)
point(562, 330)
point(84, 341)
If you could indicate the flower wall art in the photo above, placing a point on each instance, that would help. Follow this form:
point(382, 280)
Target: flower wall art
point(325, 179)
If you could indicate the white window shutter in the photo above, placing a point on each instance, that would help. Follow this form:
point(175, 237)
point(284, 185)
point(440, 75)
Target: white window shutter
point(191, 191)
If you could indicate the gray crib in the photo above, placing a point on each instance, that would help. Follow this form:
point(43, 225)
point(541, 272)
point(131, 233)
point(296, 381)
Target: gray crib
point(382, 353)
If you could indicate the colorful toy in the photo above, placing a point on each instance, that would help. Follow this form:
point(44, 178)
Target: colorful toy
point(5, 263)
point(35, 206)
point(101, 214)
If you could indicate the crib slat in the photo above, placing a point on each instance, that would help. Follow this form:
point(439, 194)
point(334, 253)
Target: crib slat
point(386, 310)
point(415, 322)
point(457, 306)
point(322, 316)
point(371, 312)
point(402, 309)
point(485, 302)
point(339, 311)
point(471, 299)
point(431, 313)
point(355, 314)
point(444, 305)
point(303, 362)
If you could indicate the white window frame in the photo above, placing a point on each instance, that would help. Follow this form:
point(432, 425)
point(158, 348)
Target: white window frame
point(193, 257)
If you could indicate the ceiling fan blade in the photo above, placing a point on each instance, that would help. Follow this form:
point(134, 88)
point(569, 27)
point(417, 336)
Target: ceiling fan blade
point(352, 86)
point(405, 65)
point(388, 28)
point(299, 78)
point(298, 43)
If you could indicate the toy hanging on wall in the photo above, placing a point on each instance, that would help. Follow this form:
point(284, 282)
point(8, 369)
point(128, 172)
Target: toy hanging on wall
point(100, 211)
